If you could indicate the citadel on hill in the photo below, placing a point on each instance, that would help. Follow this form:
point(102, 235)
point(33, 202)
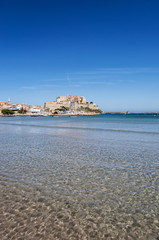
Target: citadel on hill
point(71, 103)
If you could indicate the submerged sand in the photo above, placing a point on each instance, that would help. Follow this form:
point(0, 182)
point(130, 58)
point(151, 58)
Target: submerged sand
point(29, 215)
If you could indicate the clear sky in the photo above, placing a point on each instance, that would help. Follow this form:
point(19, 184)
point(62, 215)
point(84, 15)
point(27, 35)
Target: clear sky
point(105, 50)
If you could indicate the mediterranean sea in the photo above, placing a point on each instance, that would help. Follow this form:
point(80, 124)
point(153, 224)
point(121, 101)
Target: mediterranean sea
point(79, 177)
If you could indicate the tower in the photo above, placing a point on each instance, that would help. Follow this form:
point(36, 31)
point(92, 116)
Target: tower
point(9, 101)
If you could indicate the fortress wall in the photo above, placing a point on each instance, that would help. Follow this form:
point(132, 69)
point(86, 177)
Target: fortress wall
point(52, 106)
point(93, 106)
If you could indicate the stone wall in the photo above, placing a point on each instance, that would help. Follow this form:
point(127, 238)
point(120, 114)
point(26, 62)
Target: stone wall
point(93, 106)
point(52, 106)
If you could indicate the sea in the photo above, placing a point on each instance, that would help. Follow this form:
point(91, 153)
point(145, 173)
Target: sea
point(79, 177)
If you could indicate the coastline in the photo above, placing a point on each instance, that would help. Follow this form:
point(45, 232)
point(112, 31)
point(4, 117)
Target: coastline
point(52, 115)
point(80, 114)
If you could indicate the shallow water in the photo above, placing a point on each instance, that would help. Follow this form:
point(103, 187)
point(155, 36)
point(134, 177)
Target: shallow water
point(75, 178)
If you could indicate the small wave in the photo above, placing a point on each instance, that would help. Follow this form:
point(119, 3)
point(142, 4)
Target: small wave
point(80, 128)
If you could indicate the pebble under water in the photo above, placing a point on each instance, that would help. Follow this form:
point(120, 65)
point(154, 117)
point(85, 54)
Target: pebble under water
point(78, 184)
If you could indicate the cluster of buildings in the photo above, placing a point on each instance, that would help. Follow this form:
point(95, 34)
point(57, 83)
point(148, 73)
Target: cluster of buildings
point(20, 107)
point(63, 104)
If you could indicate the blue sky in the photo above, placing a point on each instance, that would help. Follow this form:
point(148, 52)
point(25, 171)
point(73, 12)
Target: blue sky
point(105, 50)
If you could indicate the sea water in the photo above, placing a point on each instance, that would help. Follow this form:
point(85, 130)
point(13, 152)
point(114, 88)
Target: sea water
point(79, 177)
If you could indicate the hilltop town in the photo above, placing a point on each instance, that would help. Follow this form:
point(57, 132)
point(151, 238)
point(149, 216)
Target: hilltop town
point(63, 105)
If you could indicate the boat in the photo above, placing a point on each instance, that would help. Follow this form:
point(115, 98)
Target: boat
point(35, 115)
point(11, 116)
